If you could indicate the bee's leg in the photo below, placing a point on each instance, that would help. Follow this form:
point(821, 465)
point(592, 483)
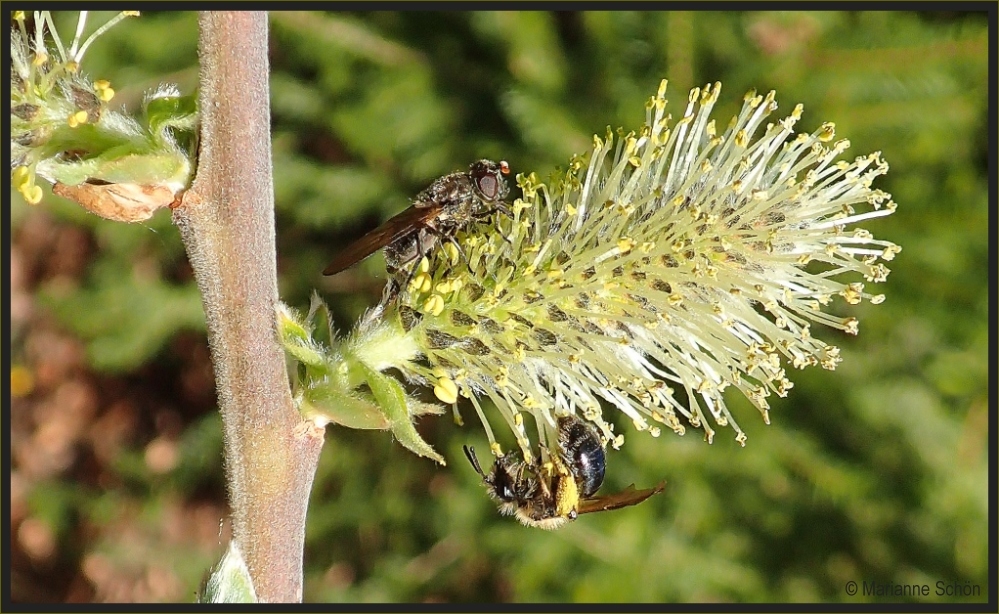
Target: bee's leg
point(545, 452)
point(544, 483)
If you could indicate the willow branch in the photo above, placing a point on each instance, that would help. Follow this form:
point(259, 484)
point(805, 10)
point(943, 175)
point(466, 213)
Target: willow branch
point(226, 221)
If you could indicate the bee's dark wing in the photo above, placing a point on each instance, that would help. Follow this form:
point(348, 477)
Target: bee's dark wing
point(395, 228)
point(628, 496)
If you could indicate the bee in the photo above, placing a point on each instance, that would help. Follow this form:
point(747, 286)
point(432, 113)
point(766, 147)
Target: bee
point(448, 205)
point(551, 495)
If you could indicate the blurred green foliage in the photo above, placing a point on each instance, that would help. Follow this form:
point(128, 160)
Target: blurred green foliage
point(877, 471)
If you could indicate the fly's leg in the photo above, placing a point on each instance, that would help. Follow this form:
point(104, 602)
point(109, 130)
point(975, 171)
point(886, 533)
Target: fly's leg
point(498, 206)
point(401, 263)
point(390, 292)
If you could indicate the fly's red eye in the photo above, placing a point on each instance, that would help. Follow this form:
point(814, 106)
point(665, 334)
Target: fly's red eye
point(488, 186)
point(504, 167)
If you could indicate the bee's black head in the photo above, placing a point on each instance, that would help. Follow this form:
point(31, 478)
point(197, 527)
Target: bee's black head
point(506, 482)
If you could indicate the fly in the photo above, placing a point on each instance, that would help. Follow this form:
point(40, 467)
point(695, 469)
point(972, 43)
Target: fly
point(450, 204)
